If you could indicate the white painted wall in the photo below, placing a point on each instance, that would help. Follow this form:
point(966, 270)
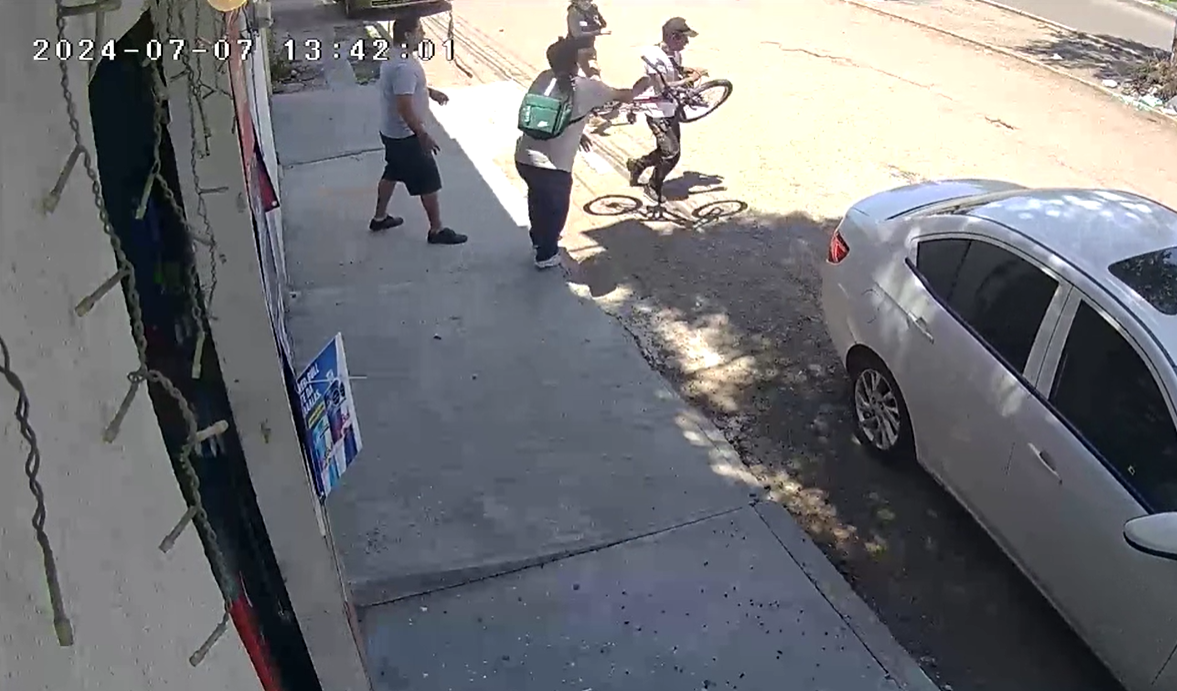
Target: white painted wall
point(249, 361)
point(137, 613)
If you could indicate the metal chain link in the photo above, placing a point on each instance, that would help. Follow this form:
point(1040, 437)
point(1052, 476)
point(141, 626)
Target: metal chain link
point(187, 476)
point(193, 73)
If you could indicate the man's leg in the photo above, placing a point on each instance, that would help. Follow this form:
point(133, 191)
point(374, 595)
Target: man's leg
point(674, 157)
point(555, 192)
point(534, 201)
point(384, 190)
point(637, 166)
point(588, 63)
point(666, 134)
point(561, 200)
point(424, 181)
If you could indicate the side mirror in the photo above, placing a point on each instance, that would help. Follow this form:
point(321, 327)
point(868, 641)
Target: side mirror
point(1155, 534)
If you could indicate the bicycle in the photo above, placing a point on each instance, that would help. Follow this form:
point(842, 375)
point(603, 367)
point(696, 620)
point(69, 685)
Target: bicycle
point(693, 102)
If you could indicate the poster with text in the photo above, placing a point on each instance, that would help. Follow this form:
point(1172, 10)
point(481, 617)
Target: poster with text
point(329, 416)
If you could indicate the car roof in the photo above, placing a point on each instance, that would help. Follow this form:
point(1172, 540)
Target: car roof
point(1091, 229)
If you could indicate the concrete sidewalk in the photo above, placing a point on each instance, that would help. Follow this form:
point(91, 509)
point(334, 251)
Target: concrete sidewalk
point(512, 428)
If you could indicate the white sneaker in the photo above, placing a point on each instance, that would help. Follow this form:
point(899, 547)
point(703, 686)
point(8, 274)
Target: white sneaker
point(549, 263)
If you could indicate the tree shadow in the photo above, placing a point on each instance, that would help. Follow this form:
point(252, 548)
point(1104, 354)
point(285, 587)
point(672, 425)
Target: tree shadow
point(1107, 56)
point(729, 312)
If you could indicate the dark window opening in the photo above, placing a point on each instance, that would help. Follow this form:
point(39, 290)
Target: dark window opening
point(1152, 276)
point(1001, 296)
point(939, 261)
point(123, 110)
point(1107, 392)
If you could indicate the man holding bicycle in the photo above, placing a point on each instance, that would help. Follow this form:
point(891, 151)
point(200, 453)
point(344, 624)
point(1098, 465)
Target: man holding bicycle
point(663, 64)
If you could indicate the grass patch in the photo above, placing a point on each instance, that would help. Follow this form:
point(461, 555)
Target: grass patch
point(281, 70)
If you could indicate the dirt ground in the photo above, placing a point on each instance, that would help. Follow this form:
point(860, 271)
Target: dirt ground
point(832, 102)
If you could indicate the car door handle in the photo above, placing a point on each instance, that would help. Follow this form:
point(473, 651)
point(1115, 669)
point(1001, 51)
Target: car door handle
point(921, 325)
point(1046, 460)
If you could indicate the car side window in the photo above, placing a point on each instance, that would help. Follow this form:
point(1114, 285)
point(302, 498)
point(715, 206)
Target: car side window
point(1000, 295)
point(1105, 390)
point(939, 262)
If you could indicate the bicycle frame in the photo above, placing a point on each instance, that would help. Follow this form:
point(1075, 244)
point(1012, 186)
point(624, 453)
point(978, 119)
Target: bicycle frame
point(674, 95)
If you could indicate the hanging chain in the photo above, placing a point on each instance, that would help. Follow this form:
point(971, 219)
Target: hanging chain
point(197, 302)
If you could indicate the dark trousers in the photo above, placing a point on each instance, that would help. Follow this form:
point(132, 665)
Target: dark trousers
point(667, 150)
point(549, 193)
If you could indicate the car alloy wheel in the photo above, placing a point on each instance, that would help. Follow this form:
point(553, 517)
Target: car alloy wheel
point(877, 410)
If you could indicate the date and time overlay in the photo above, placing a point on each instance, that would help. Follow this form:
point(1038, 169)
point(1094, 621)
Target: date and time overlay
point(309, 50)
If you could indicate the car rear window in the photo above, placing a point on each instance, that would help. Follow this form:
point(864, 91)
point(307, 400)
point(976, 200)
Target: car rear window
point(1152, 276)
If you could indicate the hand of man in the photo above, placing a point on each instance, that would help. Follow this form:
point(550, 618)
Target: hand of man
point(586, 144)
point(439, 97)
point(428, 144)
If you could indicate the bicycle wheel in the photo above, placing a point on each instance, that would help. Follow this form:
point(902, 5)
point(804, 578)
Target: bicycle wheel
point(613, 205)
point(703, 99)
point(724, 208)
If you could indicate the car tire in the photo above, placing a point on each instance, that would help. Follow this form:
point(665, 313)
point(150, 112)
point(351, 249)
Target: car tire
point(882, 422)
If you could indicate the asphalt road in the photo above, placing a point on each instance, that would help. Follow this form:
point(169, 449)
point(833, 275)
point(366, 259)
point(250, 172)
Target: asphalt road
point(1123, 19)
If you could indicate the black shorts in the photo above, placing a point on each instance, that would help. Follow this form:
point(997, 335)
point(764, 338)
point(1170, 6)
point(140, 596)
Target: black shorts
point(406, 161)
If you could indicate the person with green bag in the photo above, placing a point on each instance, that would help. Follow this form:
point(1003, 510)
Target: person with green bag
point(552, 120)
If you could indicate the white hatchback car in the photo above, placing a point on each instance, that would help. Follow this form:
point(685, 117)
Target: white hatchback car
point(1020, 343)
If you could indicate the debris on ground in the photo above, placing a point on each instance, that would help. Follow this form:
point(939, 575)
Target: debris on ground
point(1154, 86)
point(1158, 78)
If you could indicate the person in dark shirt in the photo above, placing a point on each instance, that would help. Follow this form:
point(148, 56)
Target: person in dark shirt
point(586, 22)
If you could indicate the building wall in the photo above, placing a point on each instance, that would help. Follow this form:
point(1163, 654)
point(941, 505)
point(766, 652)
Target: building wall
point(137, 613)
point(254, 380)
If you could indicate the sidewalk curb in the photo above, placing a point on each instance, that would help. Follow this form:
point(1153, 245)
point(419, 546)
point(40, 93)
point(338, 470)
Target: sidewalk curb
point(1157, 7)
point(873, 633)
point(1155, 116)
point(1056, 25)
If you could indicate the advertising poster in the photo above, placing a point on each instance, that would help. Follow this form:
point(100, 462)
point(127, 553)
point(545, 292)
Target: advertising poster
point(329, 416)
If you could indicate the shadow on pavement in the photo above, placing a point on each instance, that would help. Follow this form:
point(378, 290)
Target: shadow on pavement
point(1108, 57)
point(729, 312)
point(698, 218)
point(692, 182)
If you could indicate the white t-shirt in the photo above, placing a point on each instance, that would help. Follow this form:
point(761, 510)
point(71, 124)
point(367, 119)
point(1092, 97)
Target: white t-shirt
point(402, 75)
point(560, 153)
point(657, 61)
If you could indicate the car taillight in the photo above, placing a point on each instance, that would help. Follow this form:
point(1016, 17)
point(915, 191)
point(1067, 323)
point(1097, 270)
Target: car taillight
point(838, 249)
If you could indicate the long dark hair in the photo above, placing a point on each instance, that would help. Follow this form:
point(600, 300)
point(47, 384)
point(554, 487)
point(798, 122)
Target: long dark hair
point(562, 58)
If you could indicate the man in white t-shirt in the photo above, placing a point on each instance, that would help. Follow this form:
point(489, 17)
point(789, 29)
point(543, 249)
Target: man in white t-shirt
point(664, 67)
point(409, 149)
point(546, 165)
